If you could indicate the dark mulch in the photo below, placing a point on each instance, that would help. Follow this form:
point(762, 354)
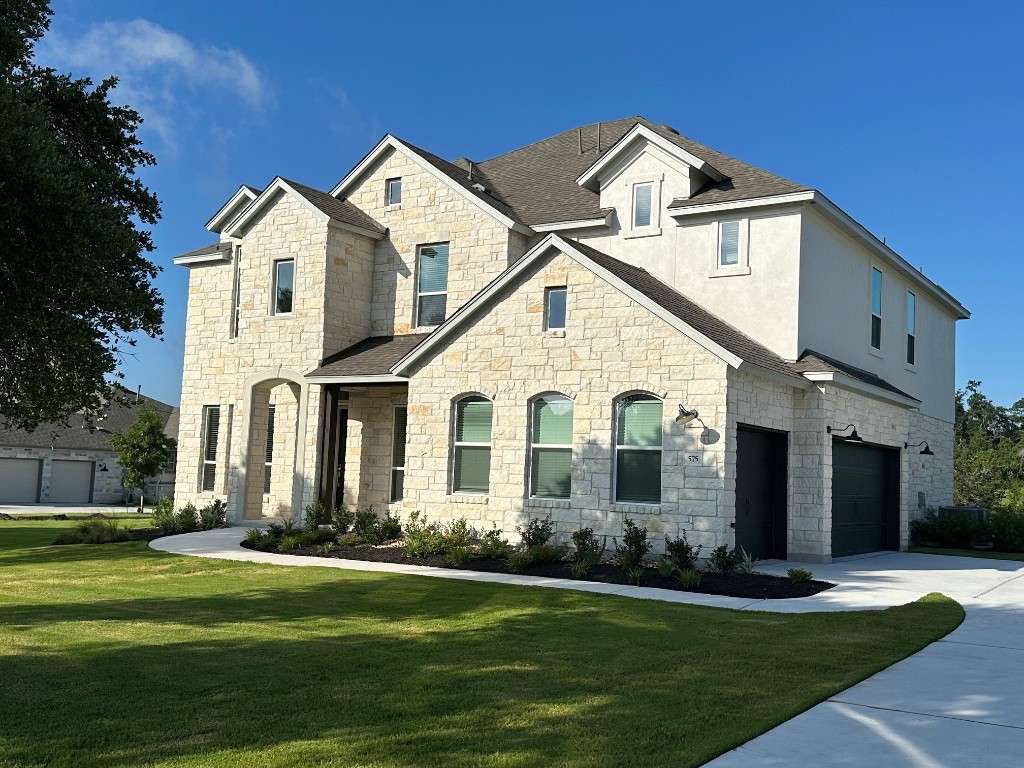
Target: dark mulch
point(59, 517)
point(754, 586)
point(5, 516)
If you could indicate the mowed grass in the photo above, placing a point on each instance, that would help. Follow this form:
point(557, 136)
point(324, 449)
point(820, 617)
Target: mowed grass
point(117, 655)
point(984, 553)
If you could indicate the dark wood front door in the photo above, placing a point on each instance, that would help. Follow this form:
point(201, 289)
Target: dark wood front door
point(761, 471)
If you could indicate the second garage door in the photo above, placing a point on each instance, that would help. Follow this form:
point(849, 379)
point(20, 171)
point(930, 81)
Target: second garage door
point(70, 482)
point(865, 499)
point(19, 481)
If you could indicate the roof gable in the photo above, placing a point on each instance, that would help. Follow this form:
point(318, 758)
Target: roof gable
point(235, 205)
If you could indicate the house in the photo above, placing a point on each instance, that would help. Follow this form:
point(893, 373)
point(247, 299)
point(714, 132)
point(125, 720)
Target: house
point(615, 322)
point(75, 464)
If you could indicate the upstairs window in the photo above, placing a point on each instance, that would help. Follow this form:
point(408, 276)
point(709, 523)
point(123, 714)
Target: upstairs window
point(642, 197)
point(268, 462)
point(432, 294)
point(398, 453)
point(471, 464)
point(554, 309)
point(729, 244)
point(638, 439)
point(237, 316)
point(911, 327)
point(211, 435)
point(284, 283)
point(393, 192)
point(551, 448)
point(876, 308)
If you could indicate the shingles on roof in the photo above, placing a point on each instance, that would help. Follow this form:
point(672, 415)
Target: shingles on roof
point(76, 435)
point(339, 210)
point(815, 362)
point(206, 250)
point(374, 356)
point(538, 182)
point(695, 316)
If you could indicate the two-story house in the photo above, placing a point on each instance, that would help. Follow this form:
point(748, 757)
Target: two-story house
point(613, 322)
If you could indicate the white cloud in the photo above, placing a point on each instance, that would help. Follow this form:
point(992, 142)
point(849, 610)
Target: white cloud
point(164, 76)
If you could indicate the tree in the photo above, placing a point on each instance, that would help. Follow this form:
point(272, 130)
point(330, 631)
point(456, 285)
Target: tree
point(144, 449)
point(988, 449)
point(75, 285)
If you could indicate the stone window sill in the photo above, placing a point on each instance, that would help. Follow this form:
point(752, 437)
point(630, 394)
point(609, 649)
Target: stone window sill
point(635, 509)
point(468, 498)
point(555, 333)
point(536, 501)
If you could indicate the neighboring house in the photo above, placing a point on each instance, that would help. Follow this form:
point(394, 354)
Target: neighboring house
point(531, 335)
point(76, 465)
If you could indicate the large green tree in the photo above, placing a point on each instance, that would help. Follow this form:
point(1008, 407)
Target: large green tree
point(75, 282)
point(988, 450)
point(144, 449)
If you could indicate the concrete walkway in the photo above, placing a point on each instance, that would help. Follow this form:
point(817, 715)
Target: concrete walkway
point(959, 702)
point(47, 510)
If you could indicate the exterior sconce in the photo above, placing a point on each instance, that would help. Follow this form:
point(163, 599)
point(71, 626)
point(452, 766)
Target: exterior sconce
point(853, 437)
point(103, 468)
point(926, 451)
point(685, 416)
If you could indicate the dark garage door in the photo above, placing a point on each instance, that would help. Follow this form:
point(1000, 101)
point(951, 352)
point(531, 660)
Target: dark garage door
point(865, 499)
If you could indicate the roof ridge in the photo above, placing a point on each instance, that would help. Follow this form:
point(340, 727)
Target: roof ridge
point(556, 135)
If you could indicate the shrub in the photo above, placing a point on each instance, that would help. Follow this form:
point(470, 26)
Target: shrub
point(390, 528)
point(315, 515)
point(422, 538)
point(955, 530)
point(581, 568)
point(689, 578)
point(457, 555)
point(275, 530)
point(724, 560)
point(457, 535)
point(547, 553)
point(635, 575)
point(666, 566)
point(213, 515)
point(367, 525)
point(342, 519)
point(799, 575)
point(94, 532)
point(518, 561)
point(291, 541)
point(164, 505)
point(350, 540)
point(493, 545)
point(634, 546)
point(537, 531)
point(254, 536)
point(188, 518)
point(746, 562)
point(589, 547)
point(681, 552)
point(1006, 527)
point(166, 521)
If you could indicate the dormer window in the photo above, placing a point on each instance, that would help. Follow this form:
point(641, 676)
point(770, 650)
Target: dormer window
point(729, 244)
point(393, 192)
point(642, 194)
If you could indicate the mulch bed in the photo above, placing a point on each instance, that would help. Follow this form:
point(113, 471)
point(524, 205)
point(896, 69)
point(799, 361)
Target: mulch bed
point(755, 586)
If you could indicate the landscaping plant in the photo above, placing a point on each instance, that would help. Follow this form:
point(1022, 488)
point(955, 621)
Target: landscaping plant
point(588, 547)
point(315, 515)
point(342, 519)
point(799, 575)
point(681, 552)
point(537, 531)
point(666, 566)
point(634, 547)
point(746, 564)
point(689, 578)
point(493, 544)
point(724, 560)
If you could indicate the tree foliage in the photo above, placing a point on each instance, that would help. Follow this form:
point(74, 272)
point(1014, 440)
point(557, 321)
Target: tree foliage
point(144, 449)
point(75, 284)
point(988, 450)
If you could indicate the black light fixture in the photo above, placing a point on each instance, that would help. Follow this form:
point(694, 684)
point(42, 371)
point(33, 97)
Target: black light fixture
point(103, 468)
point(685, 416)
point(853, 437)
point(926, 451)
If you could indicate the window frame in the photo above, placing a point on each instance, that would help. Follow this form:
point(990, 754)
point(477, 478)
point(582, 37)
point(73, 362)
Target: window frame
point(877, 349)
point(721, 243)
point(389, 201)
point(236, 317)
point(547, 307)
point(649, 185)
point(911, 350)
point(394, 498)
point(205, 463)
point(456, 444)
point(655, 182)
point(531, 489)
point(268, 456)
point(618, 404)
point(742, 265)
point(276, 267)
point(419, 293)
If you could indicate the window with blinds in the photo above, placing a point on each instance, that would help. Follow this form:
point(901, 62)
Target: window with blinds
point(911, 328)
point(268, 464)
point(876, 308)
point(432, 284)
point(398, 440)
point(211, 435)
point(471, 462)
point(551, 448)
point(638, 441)
point(642, 195)
point(729, 244)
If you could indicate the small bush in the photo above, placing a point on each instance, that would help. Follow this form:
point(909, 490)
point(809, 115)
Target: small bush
point(746, 562)
point(213, 515)
point(635, 575)
point(493, 545)
point(724, 560)
point(94, 532)
point(350, 540)
point(799, 575)
point(367, 524)
point(342, 519)
point(588, 547)
point(518, 561)
point(954, 530)
point(581, 568)
point(666, 566)
point(457, 555)
point(315, 515)
point(537, 531)
point(254, 536)
point(547, 553)
point(423, 539)
point(681, 552)
point(291, 541)
point(188, 518)
point(634, 546)
point(390, 528)
point(1006, 527)
point(327, 547)
point(275, 530)
point(164, 505)
point(689, 578)
point(457, 535)
point(166, 521)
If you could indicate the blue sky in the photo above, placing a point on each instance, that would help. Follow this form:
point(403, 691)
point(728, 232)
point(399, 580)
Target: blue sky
point(907, 115)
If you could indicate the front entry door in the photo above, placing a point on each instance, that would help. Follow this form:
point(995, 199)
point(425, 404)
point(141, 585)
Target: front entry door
point(339, 454)
point(761, 493)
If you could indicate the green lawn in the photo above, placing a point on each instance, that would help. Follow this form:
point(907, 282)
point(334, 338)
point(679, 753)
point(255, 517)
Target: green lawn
point(968, 553)
point(116, 655)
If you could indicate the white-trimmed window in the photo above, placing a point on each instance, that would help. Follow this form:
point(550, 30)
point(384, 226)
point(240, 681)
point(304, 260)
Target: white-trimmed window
point(876, 308)
point(555, 308)
point(398, 438)
point(729, 244)
point(643, 205)
point(211, 435)
point(236, 316)
point(393, 192)
point(638, 444)
point(551, 447)
point(284, 286)
point(471, 459)
point(432, 284)
point(268, 462)
point(911, 328)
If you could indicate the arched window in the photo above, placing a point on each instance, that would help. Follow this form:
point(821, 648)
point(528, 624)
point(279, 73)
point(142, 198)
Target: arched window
point(638, 421)
point(551, 447)
point(471, 462)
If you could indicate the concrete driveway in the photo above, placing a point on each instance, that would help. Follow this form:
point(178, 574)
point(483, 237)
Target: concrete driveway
point(36, 510)
point(959, 702)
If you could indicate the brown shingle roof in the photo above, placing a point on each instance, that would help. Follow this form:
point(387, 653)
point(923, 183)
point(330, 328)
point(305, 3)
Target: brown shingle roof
point(374, 356)
point(207, 249)
point(815, 362)
point(339, 210)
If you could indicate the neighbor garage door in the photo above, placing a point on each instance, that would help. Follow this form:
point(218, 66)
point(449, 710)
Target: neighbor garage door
point(70, 482)
point(19, 481)
point(865, 499)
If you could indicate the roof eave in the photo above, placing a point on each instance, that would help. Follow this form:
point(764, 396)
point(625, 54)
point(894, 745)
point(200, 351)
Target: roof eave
point(383, 378)
point(574, 224)
point(219, 219)
point(849, 382)
point(206, 258)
